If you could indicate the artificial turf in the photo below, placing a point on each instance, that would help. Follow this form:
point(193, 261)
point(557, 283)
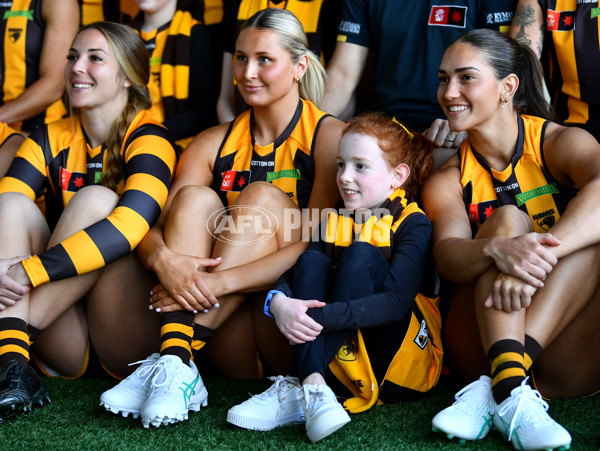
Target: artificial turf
point(74, 421)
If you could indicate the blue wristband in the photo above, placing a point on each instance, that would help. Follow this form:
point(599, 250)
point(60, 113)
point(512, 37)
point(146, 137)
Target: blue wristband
point(267, 307)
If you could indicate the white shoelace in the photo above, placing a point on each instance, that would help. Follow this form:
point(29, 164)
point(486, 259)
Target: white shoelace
point(459, 397)
point(162, 370)
point(144, 372)
point(279, 383)
point(532, 415)
point(311, 394)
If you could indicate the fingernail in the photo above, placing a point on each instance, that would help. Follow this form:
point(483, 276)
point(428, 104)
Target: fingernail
point(158, 310)
point(219, 258)
point(216, 305)
point(150, 307)
point(205, 311)
point(151, 293)
point(195, 311)
point(150, 300)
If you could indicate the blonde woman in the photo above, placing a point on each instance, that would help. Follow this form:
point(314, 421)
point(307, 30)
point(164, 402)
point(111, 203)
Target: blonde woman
point(207, 278)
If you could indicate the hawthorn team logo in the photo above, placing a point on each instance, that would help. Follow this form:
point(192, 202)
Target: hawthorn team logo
point(422, 336)
point(14, 34)
point(345, 354)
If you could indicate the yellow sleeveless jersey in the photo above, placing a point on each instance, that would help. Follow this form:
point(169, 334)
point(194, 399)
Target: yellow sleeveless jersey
point(56, 161)
point(573, 40)
point(288, 163)
point(525, 183)
point(22, 27)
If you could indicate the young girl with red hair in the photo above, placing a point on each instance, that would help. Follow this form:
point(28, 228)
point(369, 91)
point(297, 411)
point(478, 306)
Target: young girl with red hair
point(361, 299)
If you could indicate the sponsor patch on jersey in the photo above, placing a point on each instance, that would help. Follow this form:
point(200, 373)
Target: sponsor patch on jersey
point(288, 173)
point(422, 336)
point(448, 16)
point(27, 13)
point(595, 12)
point(551, 188)
point(235, 180)
point(71, 181)
point(560, 20)
point(478, 213)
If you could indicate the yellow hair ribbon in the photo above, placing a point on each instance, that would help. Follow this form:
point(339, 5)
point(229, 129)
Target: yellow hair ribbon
point(410, 135)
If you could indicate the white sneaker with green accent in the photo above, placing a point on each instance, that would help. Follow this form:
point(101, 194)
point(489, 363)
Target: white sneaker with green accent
point(470, 417)
point(324, 414)
point(277, 406)
point(175, 389)
point(523, 420)
point(128, 396)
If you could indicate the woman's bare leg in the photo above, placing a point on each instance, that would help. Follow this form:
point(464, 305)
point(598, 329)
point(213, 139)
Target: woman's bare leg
point(64, 342)
point(234, 330)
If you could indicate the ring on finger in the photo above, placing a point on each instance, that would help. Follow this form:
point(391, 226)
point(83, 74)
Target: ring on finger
point(450, 140)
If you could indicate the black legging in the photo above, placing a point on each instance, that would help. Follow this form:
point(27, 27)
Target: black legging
point(361, 272)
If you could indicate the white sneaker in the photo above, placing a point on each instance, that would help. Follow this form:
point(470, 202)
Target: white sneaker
point(175, 389)
point(470, 417)
point(324, 414)
point(277, 406)
point(128, 396)
point(523, 420)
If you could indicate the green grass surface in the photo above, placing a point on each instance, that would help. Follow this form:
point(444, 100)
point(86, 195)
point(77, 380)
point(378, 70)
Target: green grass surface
point(74, 421)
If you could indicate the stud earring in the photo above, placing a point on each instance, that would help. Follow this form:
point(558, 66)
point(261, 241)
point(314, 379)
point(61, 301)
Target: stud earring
point(298, 80)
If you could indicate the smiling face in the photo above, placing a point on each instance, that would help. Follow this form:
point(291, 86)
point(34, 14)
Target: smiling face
point(469, 92)
point(364, 177)
point(263, 69)
point(92, 74)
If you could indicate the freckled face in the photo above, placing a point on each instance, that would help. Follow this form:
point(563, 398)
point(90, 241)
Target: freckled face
point(364, 178)
point(469, 92)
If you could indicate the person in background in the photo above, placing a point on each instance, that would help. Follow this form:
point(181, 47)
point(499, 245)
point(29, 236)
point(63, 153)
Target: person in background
point(69, 280)
point(318, 17)
point(212, 264)
point(184, 77)
point(567, 30)
point(362, 299)
point(407, 40)
point(36, 33)
point(511, 214)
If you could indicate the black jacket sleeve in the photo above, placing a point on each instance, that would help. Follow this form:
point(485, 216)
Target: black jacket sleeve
point(407, 269)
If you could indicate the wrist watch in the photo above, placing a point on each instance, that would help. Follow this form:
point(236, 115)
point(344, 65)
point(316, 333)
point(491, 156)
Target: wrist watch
point(267, 307)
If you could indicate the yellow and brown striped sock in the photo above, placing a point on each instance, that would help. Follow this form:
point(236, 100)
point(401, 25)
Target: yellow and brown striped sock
point(14, 341)
point(176, 331)
point(508, 371)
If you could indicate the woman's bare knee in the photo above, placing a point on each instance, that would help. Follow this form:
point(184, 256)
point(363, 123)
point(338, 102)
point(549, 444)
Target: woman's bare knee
point(507, 221)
